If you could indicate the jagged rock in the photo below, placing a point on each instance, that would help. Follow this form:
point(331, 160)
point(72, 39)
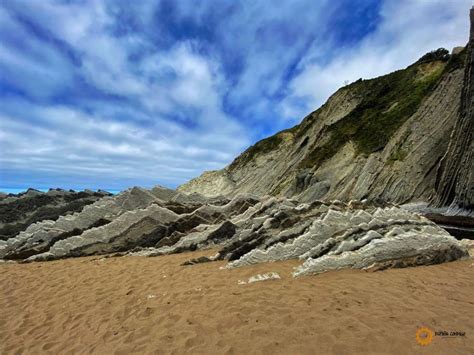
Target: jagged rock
point(17, 212)
point(423, 247)
point(206, 237)
point(331, 236)
point(117, 224)
point(123, 233)
point(205, 227)
point(325, 235)
point(455, 175)
point(403, 137)
point(40, 236)
point(348, 235)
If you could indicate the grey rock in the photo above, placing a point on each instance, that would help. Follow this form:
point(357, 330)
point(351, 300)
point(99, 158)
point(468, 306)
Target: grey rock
point(124, 232)
point(403, 250)
point(428, 158)
point(325, 235)
point(19, 211)
point(40, 236)
point(455, 182)
point(352, 238)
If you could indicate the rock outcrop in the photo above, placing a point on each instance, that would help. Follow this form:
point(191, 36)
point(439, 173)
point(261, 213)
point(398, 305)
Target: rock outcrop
point(246, 230)
point(125, 232)
point(335, 236)
point(17, 212)
point(40, 236)
point(326, 192)
point(402, 137)
point(326, 236)
point(455, 184)
point(353, 235)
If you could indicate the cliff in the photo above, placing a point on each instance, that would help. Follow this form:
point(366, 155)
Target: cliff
point(455, 185)
point(402, 137)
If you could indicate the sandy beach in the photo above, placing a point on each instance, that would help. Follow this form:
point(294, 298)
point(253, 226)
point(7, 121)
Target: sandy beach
point(154, 305)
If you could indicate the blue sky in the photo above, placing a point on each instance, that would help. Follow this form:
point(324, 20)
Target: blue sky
point(110, 94)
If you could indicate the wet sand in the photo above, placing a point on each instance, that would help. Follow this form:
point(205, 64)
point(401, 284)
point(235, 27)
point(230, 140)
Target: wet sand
point(154, 305)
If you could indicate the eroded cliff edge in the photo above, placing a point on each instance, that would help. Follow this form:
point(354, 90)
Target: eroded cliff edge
point(455, 185)
point(403, 137)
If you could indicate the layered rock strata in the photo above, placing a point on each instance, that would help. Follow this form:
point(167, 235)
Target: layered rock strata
point(246, 230)
point(325, 236)
point(403, 137)
point(455, 184)
point(17, 212)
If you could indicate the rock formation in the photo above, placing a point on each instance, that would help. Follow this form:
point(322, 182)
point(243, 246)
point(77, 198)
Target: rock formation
point(134, 218)
point(455, 184)
point(246, 230)
point(40, 236)
point(17, 212)
point(326, 236)
point(402, 137)
point(325, 192)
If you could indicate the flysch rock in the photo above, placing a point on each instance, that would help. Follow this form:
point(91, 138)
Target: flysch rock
point(205, 227)
point(346, 150)
point(19, 211)
point(117, 225)
point(348, 235)
point(124, 232)
point(40, 236)
point(324, 235)
point(344, 237)
point(410, 248)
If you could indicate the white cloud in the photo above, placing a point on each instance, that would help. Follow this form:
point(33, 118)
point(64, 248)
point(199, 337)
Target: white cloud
point(409, 29)
point(148, 146)
point(157, 113)
point(68, 140)
point(34, 73)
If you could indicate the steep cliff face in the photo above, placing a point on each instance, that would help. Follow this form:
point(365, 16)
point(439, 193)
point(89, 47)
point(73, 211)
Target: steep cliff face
point(405, 136)
point(455, 184)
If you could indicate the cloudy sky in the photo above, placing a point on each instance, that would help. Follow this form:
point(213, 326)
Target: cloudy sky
point(110, 94)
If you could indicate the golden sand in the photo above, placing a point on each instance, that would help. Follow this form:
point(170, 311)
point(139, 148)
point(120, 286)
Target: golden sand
point(153, 305)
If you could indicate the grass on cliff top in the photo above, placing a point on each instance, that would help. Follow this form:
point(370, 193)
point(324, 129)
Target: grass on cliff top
point(261, 147)
point(387, 102)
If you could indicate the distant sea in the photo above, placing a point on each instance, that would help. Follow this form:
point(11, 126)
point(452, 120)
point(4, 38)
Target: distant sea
point(9, 190)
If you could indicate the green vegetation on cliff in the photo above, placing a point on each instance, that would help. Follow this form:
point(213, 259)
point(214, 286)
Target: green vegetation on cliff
point(386, 103)
point(261, 147)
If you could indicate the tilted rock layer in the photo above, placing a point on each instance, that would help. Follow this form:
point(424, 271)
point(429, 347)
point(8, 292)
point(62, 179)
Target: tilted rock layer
point(402, 137)
point(41, 236)
point(455, 184)
point(246, 230)
point(325, 236)
point(17, 212)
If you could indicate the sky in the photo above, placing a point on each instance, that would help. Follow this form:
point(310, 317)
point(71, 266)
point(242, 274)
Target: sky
point(113, 94)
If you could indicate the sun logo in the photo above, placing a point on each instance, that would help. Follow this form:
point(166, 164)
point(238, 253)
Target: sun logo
point(424, 336)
